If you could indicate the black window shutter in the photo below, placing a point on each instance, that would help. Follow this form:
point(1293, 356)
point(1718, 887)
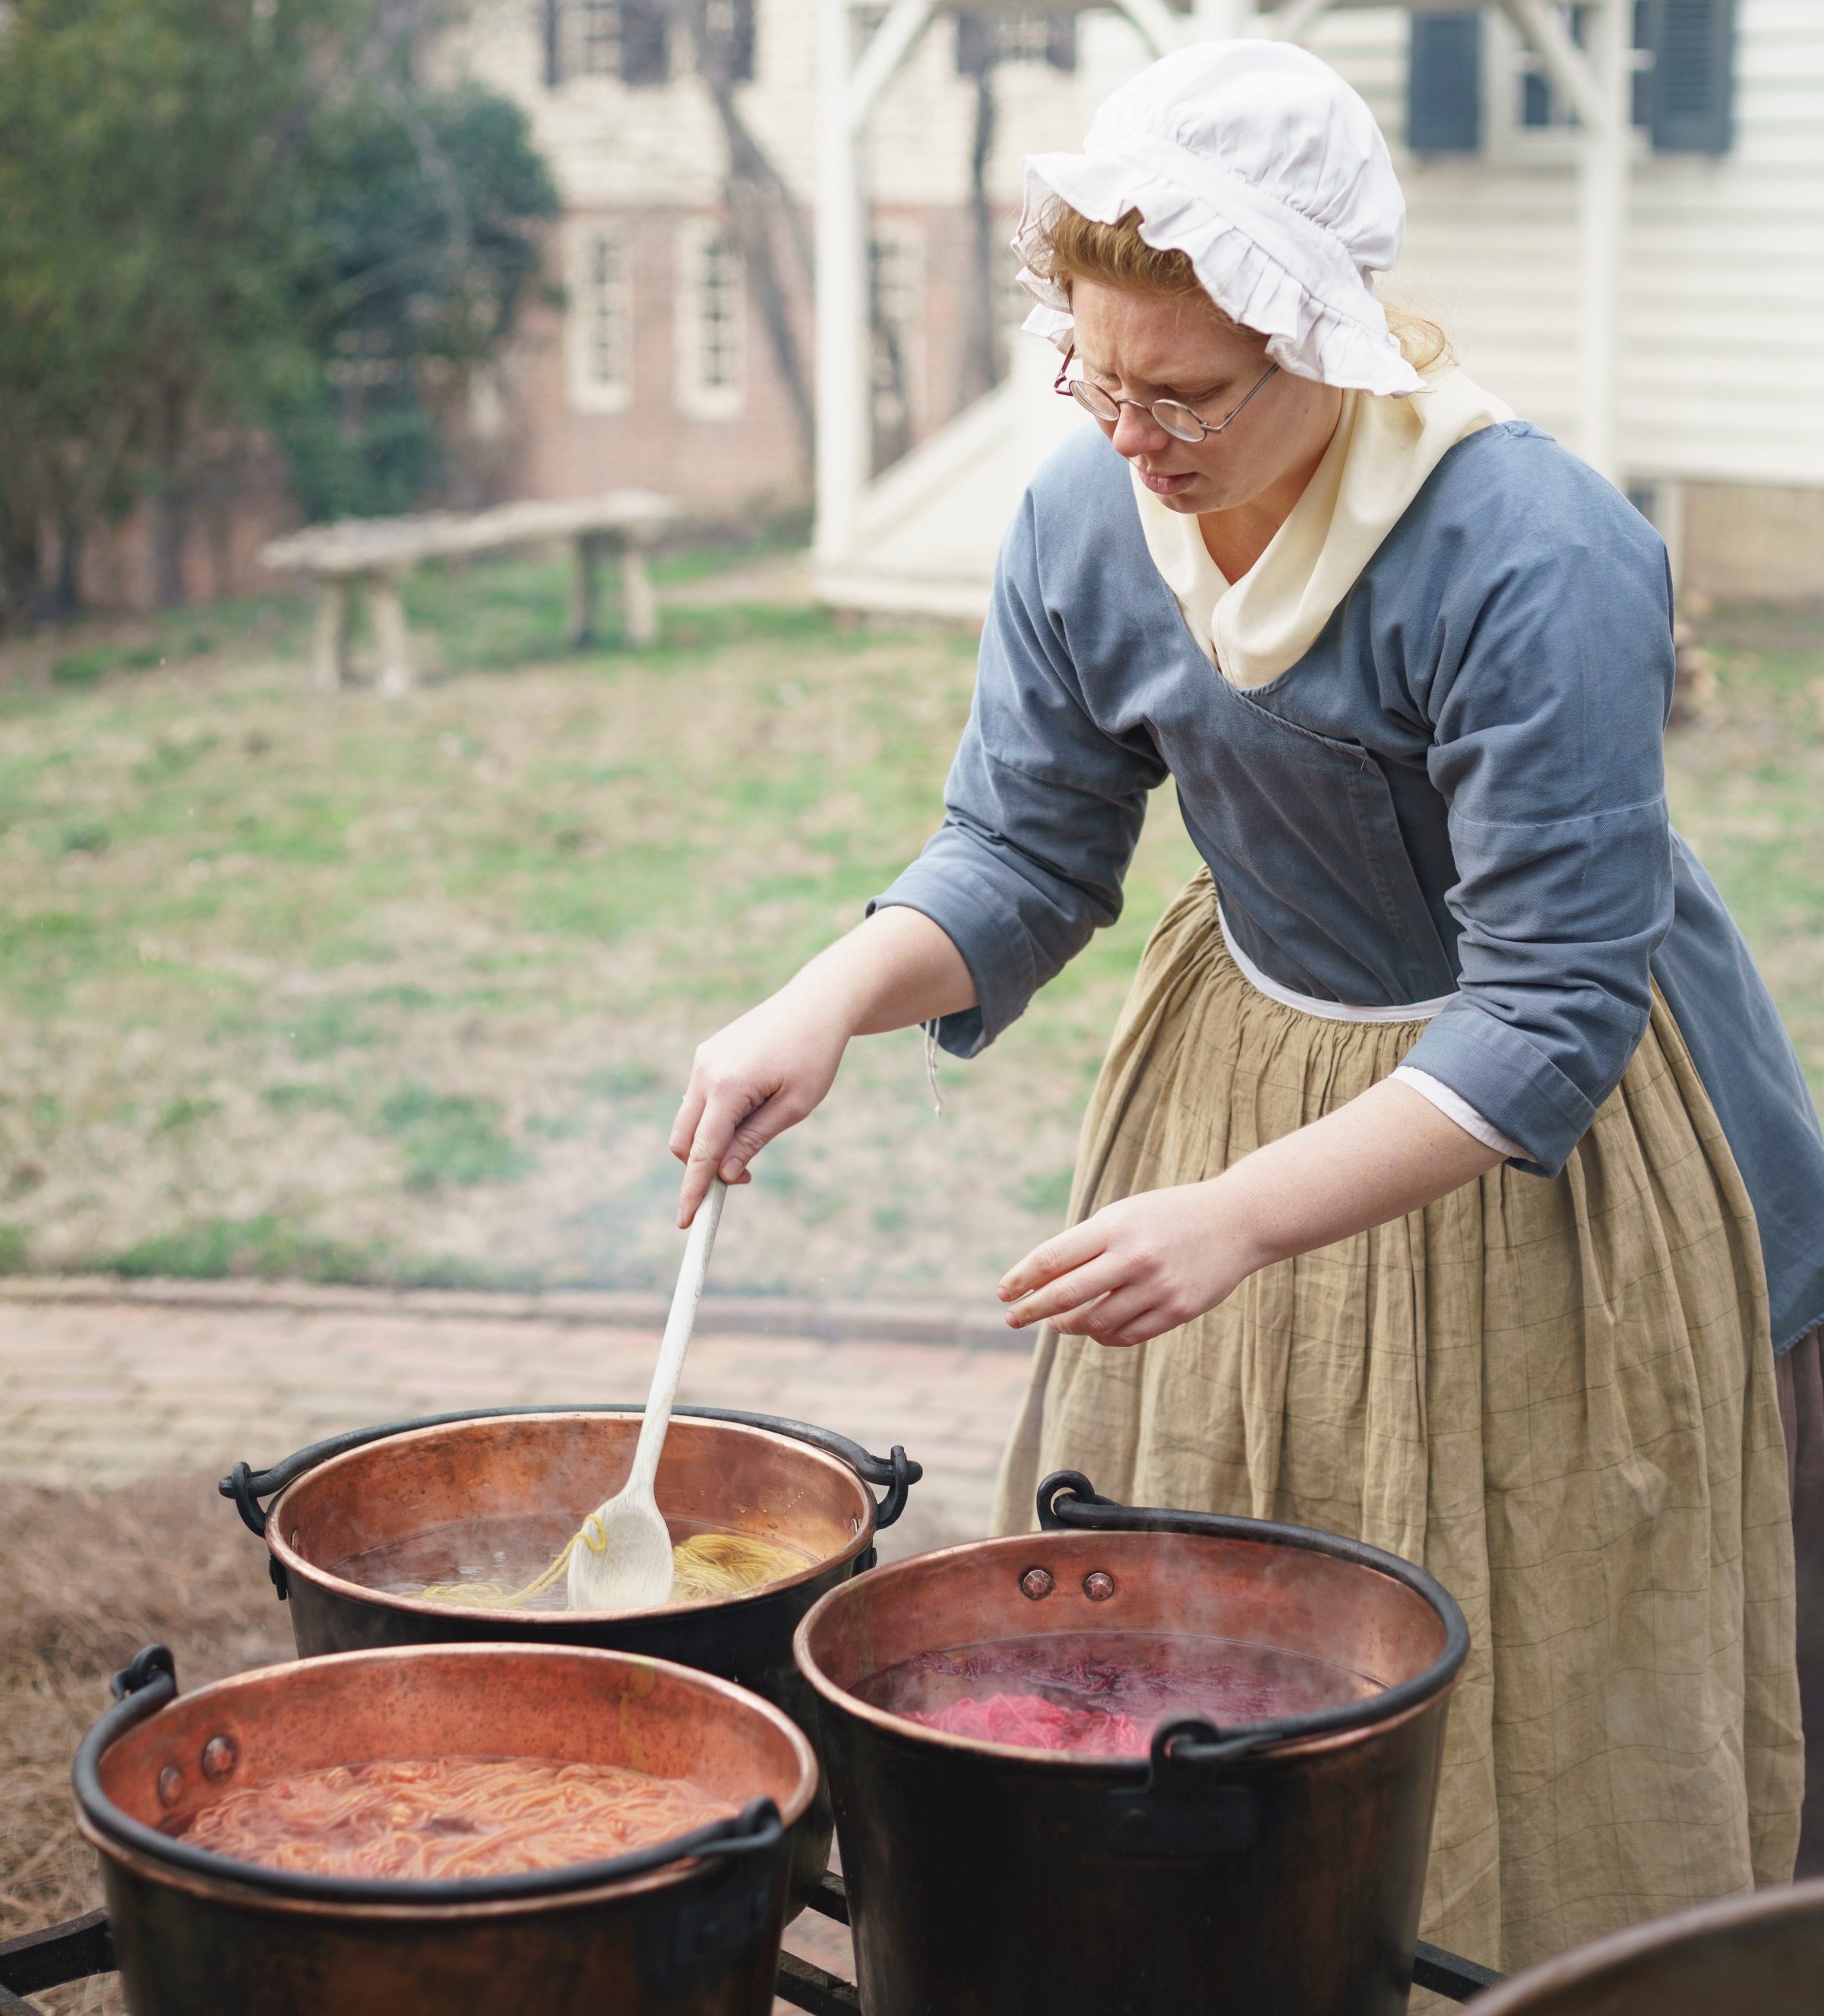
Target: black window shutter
point(1444, 82)
point(553, 35)
point(741, 42)
point(975, 46)
point(646, 42)
point(1640, 110)
point(1693, 76)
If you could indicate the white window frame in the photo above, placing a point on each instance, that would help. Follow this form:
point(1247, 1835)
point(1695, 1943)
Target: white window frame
point(1505, 60)
point(610, 42)
point(590, 391)
point(700, 394)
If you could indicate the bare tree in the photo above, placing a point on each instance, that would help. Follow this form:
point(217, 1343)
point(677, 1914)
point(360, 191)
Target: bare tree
point(767, 221)
point(981, 366)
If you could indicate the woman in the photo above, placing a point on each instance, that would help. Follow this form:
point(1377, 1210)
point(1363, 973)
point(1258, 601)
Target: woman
point(1450, 1182)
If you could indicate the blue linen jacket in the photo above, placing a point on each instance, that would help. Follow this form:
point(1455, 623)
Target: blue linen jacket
point(1459, 788)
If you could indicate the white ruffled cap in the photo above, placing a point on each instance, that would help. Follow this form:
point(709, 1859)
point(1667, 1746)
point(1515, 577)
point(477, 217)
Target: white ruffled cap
point(1259, 163)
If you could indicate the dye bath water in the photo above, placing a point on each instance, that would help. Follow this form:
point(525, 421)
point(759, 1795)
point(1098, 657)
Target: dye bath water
point(1103, 1693)
point(507, 1553)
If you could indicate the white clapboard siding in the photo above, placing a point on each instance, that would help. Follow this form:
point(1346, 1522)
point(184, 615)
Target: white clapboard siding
point(1723, 307)
point(1722, 319)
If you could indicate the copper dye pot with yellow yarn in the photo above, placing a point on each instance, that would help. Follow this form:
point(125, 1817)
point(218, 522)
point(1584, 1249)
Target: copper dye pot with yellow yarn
point(686, 1927)
point(741, 1474)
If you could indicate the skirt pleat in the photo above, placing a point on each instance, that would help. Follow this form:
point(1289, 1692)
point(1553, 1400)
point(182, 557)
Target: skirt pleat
point(1558, 1396)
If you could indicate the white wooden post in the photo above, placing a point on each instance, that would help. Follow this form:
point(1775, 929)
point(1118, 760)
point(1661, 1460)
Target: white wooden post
point(1602, 203)
point(1224, 20)
point(842, 414)
point(1596, 80)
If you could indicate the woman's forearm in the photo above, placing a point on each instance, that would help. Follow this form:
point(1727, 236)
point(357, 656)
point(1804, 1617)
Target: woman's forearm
point(1155, 1260)
point(1388, 1152)
point(894, 970)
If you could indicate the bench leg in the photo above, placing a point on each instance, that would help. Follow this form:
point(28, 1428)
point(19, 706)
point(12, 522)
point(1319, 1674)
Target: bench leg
point(587, 550)
point(328, 651)
point(638, 603)
point(390, 635)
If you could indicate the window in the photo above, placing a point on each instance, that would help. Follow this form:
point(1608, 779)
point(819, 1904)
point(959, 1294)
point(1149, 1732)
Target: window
point(710, 299)
point(1539, 105)
point(1465, 59)
point(895, 273)
point(628, 39)
point(600, 329)
point(598, 38)
point(728, 38)
point(984, 39)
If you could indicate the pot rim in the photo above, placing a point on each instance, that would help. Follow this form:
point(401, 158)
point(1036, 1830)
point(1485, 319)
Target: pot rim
point(1323, 1729)
point(1585, 1966)
point(294, 1563)
point(149, 1686)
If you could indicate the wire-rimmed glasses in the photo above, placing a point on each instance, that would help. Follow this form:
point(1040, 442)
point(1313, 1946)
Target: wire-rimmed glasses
point(1172, 416)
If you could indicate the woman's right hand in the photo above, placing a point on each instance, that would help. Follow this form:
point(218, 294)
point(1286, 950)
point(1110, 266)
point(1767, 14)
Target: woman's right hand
point(749, 1082)
point(766, 1070)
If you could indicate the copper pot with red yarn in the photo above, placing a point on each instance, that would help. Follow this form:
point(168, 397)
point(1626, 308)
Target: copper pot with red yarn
point(1273, 1867)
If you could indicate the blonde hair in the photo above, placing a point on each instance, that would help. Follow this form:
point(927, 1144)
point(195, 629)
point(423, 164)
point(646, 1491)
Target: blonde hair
point(1073, 248)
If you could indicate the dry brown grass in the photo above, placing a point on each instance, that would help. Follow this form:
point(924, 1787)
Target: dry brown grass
point(84, 1582)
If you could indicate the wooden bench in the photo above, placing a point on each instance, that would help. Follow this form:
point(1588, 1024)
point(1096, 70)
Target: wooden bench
point(380, 551)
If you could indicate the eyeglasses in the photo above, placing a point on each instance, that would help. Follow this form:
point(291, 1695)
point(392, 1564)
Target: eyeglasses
point(1173, 415)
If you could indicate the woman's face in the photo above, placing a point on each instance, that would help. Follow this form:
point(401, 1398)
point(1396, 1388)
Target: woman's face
point(1140, 347)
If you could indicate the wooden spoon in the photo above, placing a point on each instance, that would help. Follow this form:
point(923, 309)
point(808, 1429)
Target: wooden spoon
point(622, 1557)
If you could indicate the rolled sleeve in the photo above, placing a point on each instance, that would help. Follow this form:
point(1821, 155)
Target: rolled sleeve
point(1043, 808)
point(1548, 707)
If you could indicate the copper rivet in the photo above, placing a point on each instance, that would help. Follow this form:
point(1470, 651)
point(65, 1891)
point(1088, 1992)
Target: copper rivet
point(219, 1756)
point(1036, 1582)
point(1098, 1586)
point(170, 1785)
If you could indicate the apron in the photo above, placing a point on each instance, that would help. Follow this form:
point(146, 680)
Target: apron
point(1558, 1396)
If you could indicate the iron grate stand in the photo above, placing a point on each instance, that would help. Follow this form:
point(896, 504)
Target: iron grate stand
point(79, 1948)
point(822, 1994)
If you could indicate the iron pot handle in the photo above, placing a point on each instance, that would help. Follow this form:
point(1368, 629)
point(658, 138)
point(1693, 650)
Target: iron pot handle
point(1069, 1504)
point(139, 1690)
point(897, 1472)
point(1178, 1811)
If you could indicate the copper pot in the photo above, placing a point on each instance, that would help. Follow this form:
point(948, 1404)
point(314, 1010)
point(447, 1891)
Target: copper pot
point(755, 1473)
point(1276, 1867)
point(688, 1928)
point(1757, 1956)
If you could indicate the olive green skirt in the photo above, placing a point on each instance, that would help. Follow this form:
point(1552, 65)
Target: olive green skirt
point(1558, 1396)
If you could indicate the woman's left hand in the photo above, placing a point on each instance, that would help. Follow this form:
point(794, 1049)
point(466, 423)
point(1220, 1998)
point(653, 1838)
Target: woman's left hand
point(1154, 1261)
point(1138, 1267)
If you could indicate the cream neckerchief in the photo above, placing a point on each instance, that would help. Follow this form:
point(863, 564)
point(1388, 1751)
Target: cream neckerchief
point(1379, 458)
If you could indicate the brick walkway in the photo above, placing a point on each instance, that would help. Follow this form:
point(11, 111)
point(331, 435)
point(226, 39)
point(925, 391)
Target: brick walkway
point(94, 1394)
point(100, 1394)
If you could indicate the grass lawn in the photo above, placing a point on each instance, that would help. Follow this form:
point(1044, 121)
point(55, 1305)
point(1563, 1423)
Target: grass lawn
point(405, 992)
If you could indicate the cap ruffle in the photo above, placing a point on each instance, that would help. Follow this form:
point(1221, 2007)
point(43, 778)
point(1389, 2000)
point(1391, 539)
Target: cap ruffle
point(1328, 327)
